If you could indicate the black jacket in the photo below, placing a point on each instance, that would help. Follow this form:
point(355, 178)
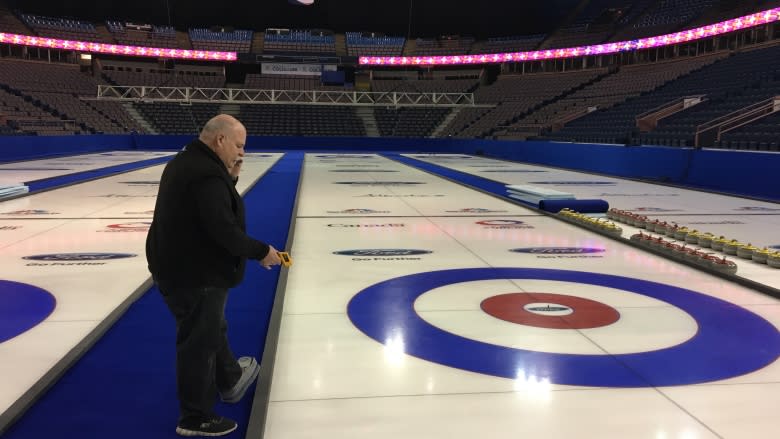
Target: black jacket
point(198, 234)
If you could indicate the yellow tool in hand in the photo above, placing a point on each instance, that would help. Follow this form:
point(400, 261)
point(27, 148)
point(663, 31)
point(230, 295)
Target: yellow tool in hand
point(286, 259)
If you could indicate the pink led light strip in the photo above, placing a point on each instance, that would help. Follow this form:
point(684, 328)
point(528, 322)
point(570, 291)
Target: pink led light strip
point(115, 49)
point(748, 21)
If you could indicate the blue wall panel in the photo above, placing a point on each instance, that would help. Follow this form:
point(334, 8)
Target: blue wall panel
point(648, 162)
point(738, 172)
point(14, 148)
point(754, 174)
point(311, 143)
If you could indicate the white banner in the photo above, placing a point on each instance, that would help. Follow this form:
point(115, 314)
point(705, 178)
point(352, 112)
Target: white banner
point(294, 69)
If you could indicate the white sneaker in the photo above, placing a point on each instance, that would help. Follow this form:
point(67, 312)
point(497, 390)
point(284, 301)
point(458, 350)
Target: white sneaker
point(250, 369)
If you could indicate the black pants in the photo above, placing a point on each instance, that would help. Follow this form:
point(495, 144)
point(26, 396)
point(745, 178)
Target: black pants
point(204, 361)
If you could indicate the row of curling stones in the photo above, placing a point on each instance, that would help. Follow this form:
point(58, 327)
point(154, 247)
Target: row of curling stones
point(681, 252)
point(598, 224)
point(747, 251)
point(671, 230)
point(702, 239)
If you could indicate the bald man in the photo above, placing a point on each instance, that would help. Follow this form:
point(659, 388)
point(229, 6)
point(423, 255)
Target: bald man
point(197, 249)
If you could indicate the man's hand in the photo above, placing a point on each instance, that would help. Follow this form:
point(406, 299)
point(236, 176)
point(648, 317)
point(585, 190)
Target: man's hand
point(235, 169)
point(271, 259)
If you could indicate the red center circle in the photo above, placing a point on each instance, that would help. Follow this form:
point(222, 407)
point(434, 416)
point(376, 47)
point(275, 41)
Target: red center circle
point(586, 313)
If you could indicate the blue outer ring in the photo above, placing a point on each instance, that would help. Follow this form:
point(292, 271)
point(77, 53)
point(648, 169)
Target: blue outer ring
point(22, 307)
point(731, 340)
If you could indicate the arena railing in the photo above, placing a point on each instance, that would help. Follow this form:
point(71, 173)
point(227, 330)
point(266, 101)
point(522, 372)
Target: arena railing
point(301, 97)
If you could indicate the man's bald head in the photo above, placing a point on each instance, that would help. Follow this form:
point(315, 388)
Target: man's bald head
point(226, 136)
point(219, 124)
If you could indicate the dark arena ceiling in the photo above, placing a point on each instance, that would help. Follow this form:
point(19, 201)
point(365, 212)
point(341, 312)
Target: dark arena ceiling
point(415, 18)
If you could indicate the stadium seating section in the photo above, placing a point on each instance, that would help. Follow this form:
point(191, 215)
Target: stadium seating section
point(579, 103)
point(371, 44)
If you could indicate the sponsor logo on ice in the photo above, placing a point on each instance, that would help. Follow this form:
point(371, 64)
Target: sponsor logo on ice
point(128, 227)
point(446, 157)
point(504, 224)
point(141, 183)
point(382, 252)
point(34, 169)
point(653, 209)
point(78, 256)
point(511, 170)
point(575, 183)
point(399, 196)
point(607, 194)
point(345, 156)
point(368, 225)
point(560, 252)
point(123, 196)
point(547, 308)
point(30, 212)
point(475, 210)
point(361, 170)
point(358, 211)
point(557, 250)
point(68, 259)
point(757, 209)
point(379, 183)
